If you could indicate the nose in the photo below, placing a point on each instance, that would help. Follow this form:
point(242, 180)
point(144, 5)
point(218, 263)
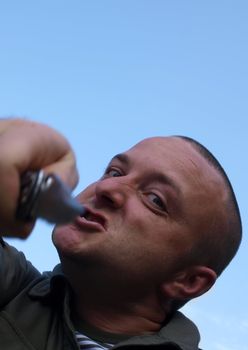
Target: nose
point(111, 192)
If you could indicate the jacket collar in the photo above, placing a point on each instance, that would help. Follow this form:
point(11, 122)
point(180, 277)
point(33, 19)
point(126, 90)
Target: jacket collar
point(179, 332)
point(48, 283)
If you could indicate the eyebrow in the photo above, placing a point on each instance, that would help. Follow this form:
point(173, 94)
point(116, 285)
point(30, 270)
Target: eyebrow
point(122, 157)
point(156, 176)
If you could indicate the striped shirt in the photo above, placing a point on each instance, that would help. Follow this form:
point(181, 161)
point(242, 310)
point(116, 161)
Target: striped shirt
point(86, 343)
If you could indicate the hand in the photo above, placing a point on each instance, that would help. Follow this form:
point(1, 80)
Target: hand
point(27, 145)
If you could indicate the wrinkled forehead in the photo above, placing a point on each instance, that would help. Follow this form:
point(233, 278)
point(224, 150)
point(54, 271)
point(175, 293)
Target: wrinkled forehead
point(168, 151)
point(161, 146)
point(176, 157)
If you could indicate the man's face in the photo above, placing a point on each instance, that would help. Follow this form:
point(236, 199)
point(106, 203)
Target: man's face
point(144, 214)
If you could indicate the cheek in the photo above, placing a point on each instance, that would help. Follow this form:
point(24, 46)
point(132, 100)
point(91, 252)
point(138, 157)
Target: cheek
point(155, 238)
point(144, 237)
point(148, 226)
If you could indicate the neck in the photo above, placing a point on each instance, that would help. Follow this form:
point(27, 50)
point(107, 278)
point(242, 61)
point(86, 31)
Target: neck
point(110, 310)
point(117, 308)
point(128, 319)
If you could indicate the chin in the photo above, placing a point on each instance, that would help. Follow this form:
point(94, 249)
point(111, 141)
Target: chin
point(66, 239)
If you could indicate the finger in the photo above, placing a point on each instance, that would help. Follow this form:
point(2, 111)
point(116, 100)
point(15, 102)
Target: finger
point(49, 150)
point(66, 169)
point(9, 192)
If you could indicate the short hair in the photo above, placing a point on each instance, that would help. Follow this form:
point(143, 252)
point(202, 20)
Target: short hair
point(217, 249)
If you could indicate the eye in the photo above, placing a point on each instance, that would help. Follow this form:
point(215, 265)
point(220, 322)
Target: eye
point(156, 201)
point(112, 172)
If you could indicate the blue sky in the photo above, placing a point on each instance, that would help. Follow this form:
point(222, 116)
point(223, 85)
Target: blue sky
point(109, 73)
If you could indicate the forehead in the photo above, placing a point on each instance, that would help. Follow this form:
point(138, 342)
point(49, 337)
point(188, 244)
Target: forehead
point(169, 154)
point(181, 163)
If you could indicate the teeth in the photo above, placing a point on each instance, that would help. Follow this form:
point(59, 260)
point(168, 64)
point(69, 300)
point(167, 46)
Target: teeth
point(86, 215)
point(90, 217)
point(94, 218)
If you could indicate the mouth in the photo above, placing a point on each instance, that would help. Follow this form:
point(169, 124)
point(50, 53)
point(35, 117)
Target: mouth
point(93, 219)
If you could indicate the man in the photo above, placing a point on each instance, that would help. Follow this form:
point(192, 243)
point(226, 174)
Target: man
point(160, 225)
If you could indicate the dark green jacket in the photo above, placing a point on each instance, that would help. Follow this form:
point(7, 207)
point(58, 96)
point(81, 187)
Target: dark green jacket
point(35, 312)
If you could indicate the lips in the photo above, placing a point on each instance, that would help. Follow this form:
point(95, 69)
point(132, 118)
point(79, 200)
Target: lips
point(93, 217)
point(92, 220)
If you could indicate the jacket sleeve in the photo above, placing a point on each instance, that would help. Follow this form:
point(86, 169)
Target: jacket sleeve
point(15, 272)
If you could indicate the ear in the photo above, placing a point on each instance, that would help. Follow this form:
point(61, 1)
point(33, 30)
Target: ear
point(189, 283)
